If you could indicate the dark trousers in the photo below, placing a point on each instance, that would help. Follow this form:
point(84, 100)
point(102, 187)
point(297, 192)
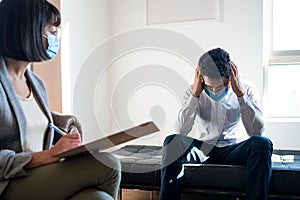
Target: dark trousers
point(84, 176)
point(254, 153)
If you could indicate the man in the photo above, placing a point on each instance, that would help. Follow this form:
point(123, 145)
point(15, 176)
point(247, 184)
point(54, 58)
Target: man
point(225, 109)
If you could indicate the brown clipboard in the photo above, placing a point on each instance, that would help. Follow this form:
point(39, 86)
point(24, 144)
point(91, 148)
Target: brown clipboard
point(112, 140)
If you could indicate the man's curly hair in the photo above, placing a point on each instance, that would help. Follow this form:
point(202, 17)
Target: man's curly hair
point(215, 64)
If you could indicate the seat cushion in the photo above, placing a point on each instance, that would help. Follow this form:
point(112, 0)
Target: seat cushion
point(140, 166)
point(141, 170)
point(285, 172)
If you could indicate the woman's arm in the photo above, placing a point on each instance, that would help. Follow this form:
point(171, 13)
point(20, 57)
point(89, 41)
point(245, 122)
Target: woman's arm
point(65, 143)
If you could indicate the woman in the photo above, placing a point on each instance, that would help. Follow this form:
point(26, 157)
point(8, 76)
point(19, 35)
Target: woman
point(30, 33)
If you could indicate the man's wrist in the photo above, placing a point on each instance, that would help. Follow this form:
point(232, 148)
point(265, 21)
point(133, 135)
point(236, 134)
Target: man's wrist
point(240, 94)
point(195, 95)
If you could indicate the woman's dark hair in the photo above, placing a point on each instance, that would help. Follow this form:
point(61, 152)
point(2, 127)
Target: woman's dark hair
point(215, 64)
point(22, 23)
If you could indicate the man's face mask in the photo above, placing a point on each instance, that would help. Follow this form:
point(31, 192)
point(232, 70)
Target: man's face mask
point(216, 89)
point(218, 95)
point(53, 45)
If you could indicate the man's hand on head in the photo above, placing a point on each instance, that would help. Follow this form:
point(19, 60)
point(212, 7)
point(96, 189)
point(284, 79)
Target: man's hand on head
point(198, 83)
point(235, 81)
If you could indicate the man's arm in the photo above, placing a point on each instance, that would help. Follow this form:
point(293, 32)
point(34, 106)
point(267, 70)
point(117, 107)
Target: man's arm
point(188, 112)
point(249, 98)
point(250, 110)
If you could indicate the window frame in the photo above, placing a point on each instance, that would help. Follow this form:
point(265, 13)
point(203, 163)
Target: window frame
point(272, 60)
point(284, 57)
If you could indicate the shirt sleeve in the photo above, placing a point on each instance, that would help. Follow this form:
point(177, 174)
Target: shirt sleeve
point(12, 164)
point(251, 113)
point(188, 112)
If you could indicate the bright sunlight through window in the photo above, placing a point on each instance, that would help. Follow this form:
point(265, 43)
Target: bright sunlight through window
point(282, 77)
point(286, 25)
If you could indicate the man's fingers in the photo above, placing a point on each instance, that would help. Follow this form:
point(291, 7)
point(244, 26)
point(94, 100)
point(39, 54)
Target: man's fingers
point(233, 69)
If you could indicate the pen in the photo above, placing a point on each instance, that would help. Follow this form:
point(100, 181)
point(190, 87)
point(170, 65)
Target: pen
point(51, 125)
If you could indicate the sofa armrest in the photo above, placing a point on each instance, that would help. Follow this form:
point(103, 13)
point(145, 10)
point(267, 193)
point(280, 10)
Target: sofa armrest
point(67, 123)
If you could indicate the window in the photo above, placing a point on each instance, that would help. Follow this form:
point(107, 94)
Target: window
point(285, 32)
point(283, 91)
point(282, 70)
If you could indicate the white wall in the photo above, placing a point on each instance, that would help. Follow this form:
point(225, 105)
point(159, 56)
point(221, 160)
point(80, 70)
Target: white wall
point(103, 48)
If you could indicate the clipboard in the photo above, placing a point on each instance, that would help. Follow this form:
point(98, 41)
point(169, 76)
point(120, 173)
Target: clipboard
point(112, 140)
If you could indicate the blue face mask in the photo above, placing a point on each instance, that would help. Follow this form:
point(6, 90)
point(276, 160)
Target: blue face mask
point(53, 45)
point(217, 96)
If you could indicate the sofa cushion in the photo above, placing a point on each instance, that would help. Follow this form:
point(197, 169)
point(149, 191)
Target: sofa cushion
point(285, 172)
point(140, 166)
point(141, 170)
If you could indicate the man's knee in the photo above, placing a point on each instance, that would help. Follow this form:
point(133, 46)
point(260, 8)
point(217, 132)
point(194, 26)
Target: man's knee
point(168, 139)
point(262, 144)
point(175, 139)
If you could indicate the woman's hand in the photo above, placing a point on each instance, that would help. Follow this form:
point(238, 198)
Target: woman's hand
point(198, 83)
point(66, 142)
point(235, 81)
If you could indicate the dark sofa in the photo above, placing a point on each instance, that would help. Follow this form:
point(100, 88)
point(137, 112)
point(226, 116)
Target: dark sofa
point(141, 170)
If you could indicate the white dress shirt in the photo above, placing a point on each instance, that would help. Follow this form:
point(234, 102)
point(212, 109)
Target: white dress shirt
point(222, 123)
